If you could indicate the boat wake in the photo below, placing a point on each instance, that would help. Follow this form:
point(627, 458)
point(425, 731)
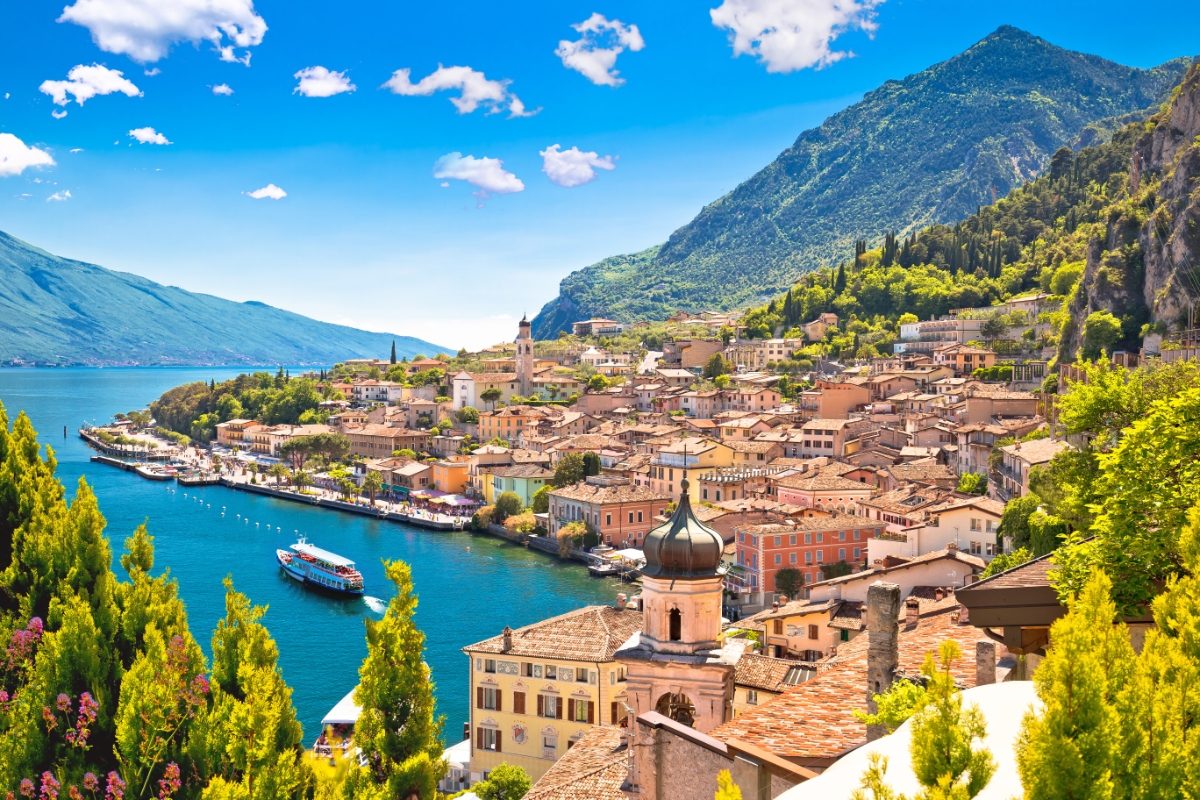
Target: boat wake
point(375, 604)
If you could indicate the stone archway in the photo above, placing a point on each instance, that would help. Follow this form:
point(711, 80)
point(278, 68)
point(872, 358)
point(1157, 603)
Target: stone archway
point(678, 707)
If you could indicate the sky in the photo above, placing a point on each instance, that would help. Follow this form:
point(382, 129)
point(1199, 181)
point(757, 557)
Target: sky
point(435, 169)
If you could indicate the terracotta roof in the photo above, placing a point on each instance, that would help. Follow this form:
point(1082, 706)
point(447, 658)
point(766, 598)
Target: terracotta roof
point(770, 674)
point(877, 573)
point(592, 634)
point(619, 493)
point(750, 446)
point(1037, 451)
point(849, 616)
point(985, 504)
point(815, 719)
point(533, 470)
point(922, 472)
point(821, 483)
point(1031, 573)
point(593, 769)
point(488, 377)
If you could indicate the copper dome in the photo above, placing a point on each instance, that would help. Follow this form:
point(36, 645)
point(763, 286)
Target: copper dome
point(683, 546)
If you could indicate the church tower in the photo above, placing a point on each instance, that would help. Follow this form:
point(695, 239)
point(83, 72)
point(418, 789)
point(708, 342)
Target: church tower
point(678, 666)
point(524, 358)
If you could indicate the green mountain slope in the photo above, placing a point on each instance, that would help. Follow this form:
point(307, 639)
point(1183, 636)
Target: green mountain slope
point(57, 311)
point(931, 148)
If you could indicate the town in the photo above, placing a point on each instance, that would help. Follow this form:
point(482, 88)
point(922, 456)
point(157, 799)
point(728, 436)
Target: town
point(773, 526)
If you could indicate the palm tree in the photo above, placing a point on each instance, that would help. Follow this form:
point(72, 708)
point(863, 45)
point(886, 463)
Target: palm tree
point(278, 471)
point(372, 484)
point(300, 479)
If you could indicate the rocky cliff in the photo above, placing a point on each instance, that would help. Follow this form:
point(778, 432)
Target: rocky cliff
point(1144, 264)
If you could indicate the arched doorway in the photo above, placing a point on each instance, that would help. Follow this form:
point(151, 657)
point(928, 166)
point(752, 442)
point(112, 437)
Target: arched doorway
point(678, 707)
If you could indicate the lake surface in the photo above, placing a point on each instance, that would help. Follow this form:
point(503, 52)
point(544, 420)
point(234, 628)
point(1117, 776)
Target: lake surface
point(469, 586)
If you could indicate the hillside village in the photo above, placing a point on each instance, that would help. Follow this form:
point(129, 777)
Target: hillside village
point(790, 496)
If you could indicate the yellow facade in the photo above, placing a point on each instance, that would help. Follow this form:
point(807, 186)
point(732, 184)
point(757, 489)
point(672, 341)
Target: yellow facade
point(528, 712)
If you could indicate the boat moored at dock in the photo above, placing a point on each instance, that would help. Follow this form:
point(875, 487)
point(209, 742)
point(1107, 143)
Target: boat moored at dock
point(320, 569)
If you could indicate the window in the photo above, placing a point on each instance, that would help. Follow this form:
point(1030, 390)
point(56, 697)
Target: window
point(808, 557)
point(778, 559)
point(813, 632)
point(741, 538)
point(778, 541)
point(777, 626)
point(488, 698)
point(488, 739)
point(581, 711)
point(549, 745)
point(639, 516)
point(581, 676)
point(489, 665)
point(518, 702)
point(841, 536)
point(551, 672)
point(751, 697)
point(675, 625)
point(526, 669)
point(974, 523)
point(792, 557)
point(808, 538)
point(820, 556)
point(549, 706)
point(858, 552)
point(820, 538)
point(607, 520)
point(841, 554)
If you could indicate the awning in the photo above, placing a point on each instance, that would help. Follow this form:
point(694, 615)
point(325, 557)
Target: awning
point(344, 713)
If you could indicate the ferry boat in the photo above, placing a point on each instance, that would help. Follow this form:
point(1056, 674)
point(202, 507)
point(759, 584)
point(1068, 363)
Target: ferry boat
point(320, 569)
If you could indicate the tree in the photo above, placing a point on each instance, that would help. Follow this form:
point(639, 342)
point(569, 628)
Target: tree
point(504, 782)
point(972, 483)
point(278, 471)
point(1101, 330)
point(399, 735)
point(789, 582)
point(541, 500)
point(994, 327)
point(597, 383)
point(894, 706)
point(490, 396)
point(591, 464)
point(301, 479)
point(945, 759)
point(467, 414)
point(1070, 748)
point(392, 359)
point(372, 485)
point(726, 788)
point(569, 470)
point(1006, 561)
point(507, 504)
point(717, 364)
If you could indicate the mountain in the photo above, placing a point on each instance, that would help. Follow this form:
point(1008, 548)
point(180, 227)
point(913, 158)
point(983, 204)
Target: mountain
point(930, 148)
point(57, 311)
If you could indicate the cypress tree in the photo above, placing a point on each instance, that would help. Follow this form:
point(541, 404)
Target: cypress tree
point(397, 730)
point(393, 358)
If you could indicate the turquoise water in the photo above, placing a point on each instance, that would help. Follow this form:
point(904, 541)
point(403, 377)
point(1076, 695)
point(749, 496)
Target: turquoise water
point(469, 587)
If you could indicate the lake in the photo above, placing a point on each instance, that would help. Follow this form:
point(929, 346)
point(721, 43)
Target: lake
point(469, 586)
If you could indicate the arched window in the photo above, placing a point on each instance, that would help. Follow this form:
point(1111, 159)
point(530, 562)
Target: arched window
point(676, 706)
point(674, 625)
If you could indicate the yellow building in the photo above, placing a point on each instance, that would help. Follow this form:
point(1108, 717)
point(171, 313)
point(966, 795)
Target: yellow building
point(687, 459)
point(536, 690)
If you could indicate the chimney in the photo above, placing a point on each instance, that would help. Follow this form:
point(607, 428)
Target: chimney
point(912, 612)
point(964, 615)
point(952, 547)
point(883, 654)
point(507, 634)
point(985, 662)
point(622, 599)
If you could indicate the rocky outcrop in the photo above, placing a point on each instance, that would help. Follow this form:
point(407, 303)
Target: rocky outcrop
point(1146, 267)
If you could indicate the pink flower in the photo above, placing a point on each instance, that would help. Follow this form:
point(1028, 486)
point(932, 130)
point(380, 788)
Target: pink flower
point(26, 789)
point(50, 786)
point(115, 788)
point(63, 702)
point(49, 718)
point(170, 783)
point(74, 793)
point(90, 781)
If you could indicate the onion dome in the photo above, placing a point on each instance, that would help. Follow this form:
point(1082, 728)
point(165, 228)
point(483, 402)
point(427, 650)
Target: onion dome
point(683, 547)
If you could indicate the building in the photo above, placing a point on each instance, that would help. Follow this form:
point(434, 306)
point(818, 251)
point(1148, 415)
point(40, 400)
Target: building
point(968, 523)
point(807, 544)
point(963, 358)
point(523, 480)
point(523, 359)
point(622, 513)
point(757, 354)
point(231, 432)
point(815, 331)
point(757, 678)
point(597, 327)
point(535, 691)
point(372, 391)
point(467, 388)
point(375, 440)
point(687, 459)
point(826, 491)
point(677, 665)
point(1010, 479)
point(836, 438)
point(928, 335)
point(833, 399)
point(690, 354)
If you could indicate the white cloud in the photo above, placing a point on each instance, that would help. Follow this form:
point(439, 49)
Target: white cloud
point(322, 82)
point(148, 135)
point(85, 82)
point(595, 53)
point(58, 113)
point(268, 192)
point(789, 35)
point(7, 95)
point(74, 150)
point(223, 89)
point(59, 197)
point(150, 73)
point(144, 30)
point(475, 89)
point(16, 156)
point(574, 167)
point(487, 175)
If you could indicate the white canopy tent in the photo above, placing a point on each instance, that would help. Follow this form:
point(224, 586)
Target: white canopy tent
point(1003, 706)
point(344, 713)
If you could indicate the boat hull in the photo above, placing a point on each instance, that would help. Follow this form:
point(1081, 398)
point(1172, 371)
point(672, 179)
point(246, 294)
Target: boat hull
point(287, 564)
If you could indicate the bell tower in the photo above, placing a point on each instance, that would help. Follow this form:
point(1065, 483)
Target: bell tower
point(678, 666)
point(524, 357)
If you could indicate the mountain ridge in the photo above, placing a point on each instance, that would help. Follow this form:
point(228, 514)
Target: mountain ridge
point(59, 311)
point(929, 148)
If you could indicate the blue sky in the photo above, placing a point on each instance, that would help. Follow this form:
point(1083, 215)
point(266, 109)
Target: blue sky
point(367, 235)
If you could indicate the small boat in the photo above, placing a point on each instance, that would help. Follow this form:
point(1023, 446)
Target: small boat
point(320, 569)
point(602, 569)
